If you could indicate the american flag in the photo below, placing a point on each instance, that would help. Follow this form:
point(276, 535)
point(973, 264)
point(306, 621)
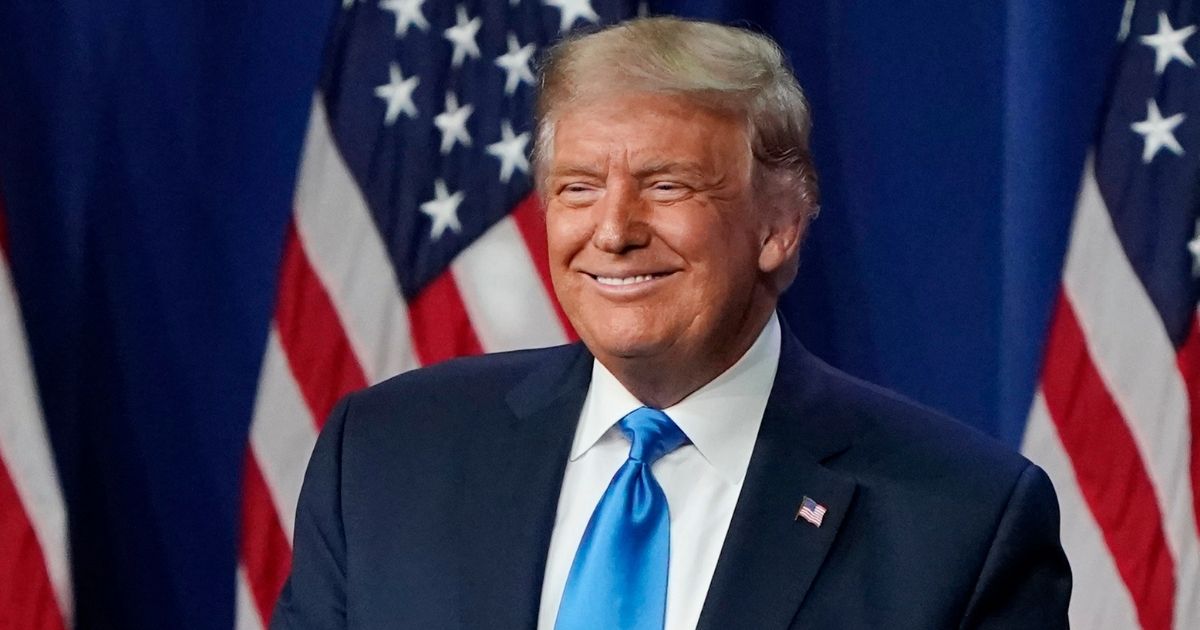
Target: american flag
point(415, 237)
point(811, 511)
point(35, 576)
point(1117, 414)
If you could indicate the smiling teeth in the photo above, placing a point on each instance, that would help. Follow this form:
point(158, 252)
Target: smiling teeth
point(616, 282)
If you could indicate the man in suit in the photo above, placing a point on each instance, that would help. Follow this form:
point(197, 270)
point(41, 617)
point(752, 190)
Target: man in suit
point(689, 464)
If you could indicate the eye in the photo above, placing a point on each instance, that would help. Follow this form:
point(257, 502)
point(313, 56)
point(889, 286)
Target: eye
point(578, 193)
point(668, 190)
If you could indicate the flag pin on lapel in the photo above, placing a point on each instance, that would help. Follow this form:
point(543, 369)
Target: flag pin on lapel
point(811, 511)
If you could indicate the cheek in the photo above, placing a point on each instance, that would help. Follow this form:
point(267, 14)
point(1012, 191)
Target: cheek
point(565, 235)
point(723, 257)
point(703, 241)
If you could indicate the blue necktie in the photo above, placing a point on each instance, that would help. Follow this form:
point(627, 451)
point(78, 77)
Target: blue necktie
point(618, 580)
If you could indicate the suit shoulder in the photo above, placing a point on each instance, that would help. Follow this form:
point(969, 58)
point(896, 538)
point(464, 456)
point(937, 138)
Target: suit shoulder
point(481, 377)
point(902, 434)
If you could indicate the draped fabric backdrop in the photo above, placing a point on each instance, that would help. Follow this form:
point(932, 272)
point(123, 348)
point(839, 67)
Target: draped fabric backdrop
point(220, 216)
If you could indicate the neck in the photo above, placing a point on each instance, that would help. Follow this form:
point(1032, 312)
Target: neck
point(664, 380)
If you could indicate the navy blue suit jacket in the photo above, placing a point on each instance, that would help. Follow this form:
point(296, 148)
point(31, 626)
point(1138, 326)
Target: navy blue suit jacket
point(430, 498)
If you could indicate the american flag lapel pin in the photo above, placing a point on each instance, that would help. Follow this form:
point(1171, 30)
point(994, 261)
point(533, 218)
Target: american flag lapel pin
point(811, 511)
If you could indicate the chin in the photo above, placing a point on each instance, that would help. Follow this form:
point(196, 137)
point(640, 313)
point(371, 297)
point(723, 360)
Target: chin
point(625, 342)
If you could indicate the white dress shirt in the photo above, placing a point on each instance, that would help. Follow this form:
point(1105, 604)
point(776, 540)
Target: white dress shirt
point(702, 480)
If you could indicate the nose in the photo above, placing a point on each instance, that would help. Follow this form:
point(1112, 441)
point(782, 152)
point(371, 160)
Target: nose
point(620, 218)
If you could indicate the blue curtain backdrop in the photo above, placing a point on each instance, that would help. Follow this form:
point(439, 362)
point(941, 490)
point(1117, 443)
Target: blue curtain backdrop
point(148, 156)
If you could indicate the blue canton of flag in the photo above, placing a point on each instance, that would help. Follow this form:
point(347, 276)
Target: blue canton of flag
point(1147, 162)
point(431, 103)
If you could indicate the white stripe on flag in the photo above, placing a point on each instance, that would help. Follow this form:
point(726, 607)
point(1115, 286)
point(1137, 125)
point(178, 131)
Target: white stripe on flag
point(1099, 598)
point(25, 448)
point(348, 255)
point(1136, 360)
point(503, 292)
point(246, 616)
point(282, 433)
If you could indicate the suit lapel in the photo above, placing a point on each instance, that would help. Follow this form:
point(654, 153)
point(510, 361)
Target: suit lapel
point(770, 557)
point(505, 556)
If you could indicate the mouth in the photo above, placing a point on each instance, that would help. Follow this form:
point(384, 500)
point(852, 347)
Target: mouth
point(627, 286)
point(621, 281)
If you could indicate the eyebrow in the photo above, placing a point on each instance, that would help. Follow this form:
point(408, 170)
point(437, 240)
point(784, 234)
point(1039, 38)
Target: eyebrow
point(585, 170)
point(669, 167)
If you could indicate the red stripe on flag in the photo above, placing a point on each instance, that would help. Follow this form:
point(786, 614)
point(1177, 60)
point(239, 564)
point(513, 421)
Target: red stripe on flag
point(323, 363)
point(316, 346)
point(26, 594)
point(441, 329)
point(1111, 474)
point(531, 222)
point(1189, 366)
point(265, 551)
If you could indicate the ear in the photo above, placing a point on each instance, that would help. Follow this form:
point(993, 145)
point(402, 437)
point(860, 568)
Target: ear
point(781, 243)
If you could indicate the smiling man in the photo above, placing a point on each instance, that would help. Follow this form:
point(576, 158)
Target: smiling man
point(688, 464)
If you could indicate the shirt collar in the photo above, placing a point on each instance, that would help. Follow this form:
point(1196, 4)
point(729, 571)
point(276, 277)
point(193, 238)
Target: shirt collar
point(721, 418)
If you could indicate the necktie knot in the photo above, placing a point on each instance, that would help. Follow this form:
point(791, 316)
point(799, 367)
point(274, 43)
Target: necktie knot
point(652, 434)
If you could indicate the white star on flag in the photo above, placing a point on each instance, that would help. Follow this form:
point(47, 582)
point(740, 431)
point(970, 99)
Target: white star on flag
point(443, 210)
point(453, 123)
point(408, 13)
point(462, 35)
point(572, 10)
point(1168, 44)
point(511, 151)
point(516, 64)
point(398, 94)
point(1158, 132)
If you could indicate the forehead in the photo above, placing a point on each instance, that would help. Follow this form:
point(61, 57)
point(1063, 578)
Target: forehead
point(648, 126)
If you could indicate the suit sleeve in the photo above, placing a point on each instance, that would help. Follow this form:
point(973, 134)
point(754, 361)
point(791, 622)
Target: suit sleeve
point(1025, 581)
point(314, 596)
